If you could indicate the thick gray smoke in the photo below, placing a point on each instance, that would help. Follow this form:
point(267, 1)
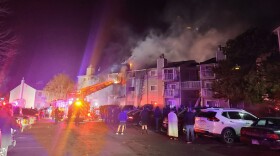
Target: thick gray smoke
point(181, 44)
point(196, 29)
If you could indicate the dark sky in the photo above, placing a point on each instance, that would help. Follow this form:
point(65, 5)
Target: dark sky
point(65, 36)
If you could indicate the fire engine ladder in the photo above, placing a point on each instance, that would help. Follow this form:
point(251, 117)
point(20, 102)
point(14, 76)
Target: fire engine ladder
point(94, 88)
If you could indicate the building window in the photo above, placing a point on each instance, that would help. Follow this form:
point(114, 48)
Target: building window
point(208, 84)
point(212, 103)
point(153, 88)
point(173, 86)
point(171, 103)
point(168, 74)
point(207, 71)
point(168, 71)
point(131, 89)
point(153, 73)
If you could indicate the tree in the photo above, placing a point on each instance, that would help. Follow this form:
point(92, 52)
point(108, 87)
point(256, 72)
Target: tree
point(58, 87)
point(239, 77)
point(8, 42)
point(271, 76)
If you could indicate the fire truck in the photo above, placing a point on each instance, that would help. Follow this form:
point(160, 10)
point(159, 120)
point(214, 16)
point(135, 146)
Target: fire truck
point(80, 108)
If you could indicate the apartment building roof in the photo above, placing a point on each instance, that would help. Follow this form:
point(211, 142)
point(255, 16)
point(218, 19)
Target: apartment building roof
point(209, 61)
point(189, 63)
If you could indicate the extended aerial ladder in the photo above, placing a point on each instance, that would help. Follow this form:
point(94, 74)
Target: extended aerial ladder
point(114, 78)
point(82, 106)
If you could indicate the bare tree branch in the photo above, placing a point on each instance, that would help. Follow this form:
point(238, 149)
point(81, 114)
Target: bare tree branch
point(8, 42)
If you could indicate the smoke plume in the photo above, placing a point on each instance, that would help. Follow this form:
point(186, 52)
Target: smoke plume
point(179, 44)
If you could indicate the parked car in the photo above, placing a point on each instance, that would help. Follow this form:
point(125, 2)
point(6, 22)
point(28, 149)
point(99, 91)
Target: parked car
point(128, 108)
point(149, 106)
point(180, 115)
point(264, 132)
point(134, 117)
point(32, 113)
point(26, 117)
point(23, 121)
point(223, 122)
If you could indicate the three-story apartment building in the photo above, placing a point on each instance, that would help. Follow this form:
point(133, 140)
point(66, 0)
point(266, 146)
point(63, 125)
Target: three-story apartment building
point(169, 83)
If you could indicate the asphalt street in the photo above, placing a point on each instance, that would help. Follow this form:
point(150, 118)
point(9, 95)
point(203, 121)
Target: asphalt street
point(96, 138)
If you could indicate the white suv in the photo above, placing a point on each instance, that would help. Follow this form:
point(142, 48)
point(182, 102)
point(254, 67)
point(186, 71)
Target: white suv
point(223, 122)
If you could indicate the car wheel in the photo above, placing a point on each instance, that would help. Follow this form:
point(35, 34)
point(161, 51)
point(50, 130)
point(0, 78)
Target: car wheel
point(228, 136)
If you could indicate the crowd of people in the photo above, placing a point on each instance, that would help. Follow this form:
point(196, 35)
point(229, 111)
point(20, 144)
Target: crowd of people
point(118, 116)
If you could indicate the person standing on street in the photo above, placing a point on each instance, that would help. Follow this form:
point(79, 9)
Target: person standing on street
point(122, 122)
point(189, 120)
point(158, 116)
point(144, 120)
point(172, 125)
point(56, 115)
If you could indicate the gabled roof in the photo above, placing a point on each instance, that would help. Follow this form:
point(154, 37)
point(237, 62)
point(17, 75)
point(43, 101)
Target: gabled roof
point(189, 63)
point(209, 61)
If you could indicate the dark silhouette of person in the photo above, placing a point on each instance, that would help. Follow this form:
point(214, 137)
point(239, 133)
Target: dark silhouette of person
point(158, 117)
point(56, 115)
point(189, 120)
point(144, 120)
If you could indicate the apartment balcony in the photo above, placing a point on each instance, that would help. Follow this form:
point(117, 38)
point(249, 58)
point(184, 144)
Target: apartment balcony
point(169, 77)
point(190, 85)
point(171, 93)
point(206, 92)
point(207, 75)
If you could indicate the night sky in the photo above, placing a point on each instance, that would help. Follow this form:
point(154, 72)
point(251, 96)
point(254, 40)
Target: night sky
point(65, 36)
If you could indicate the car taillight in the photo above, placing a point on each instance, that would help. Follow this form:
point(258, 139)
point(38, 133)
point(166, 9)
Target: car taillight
point(130, 117)
point(213, 119)
point(272, 136)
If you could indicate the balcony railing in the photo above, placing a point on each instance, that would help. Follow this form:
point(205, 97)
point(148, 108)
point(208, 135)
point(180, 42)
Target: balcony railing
point(171, 93)
point(190, 85)
point(207, 74)
point(168, 77)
